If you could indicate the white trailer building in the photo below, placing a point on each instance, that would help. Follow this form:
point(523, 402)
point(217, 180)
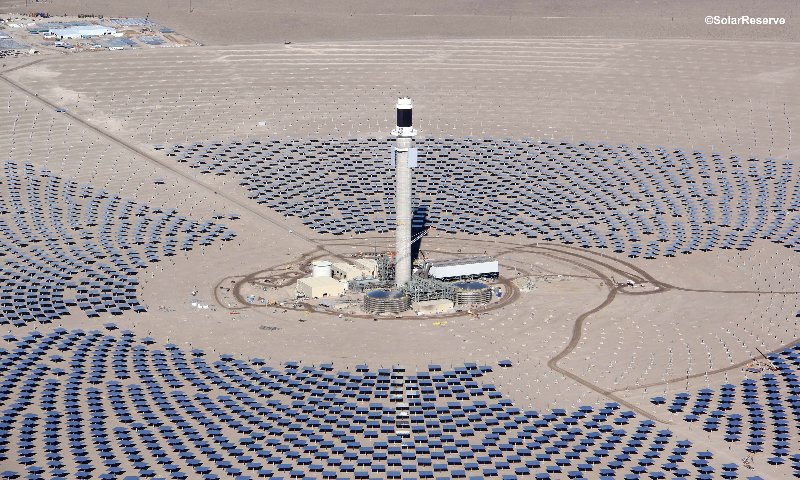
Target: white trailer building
point(462, 268)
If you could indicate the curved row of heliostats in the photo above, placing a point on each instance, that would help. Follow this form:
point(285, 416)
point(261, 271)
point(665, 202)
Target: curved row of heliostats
point(63, 244)
point(635, 200)
point(105, 405)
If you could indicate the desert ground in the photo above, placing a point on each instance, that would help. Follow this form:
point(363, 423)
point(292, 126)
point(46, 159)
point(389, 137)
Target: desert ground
point(576, 332)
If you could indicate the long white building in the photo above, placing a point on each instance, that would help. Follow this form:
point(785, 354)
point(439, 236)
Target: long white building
point(83, 31)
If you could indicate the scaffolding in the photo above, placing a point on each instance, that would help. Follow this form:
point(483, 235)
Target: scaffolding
point(421, 289)
point(364, 284)
point(385, 269)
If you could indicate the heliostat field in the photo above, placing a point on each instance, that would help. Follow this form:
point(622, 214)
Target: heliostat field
point(207, 268)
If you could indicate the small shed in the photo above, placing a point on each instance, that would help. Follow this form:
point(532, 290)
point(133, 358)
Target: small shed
point(319, 287)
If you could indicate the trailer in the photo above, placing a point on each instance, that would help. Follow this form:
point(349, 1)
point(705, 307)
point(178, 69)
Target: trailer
point(462, 268)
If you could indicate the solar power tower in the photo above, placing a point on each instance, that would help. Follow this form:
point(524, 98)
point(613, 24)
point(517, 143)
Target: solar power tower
point(405, 158)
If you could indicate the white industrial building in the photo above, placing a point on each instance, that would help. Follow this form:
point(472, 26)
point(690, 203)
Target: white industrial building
point(473, 267)
point(83, 31)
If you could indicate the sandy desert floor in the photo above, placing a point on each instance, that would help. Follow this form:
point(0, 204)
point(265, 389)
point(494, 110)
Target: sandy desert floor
point(657, 76)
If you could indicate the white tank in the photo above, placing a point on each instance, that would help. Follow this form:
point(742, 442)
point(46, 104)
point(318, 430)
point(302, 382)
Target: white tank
point(321, 268)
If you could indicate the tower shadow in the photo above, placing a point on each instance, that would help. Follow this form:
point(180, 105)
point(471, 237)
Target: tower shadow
point(419, 222)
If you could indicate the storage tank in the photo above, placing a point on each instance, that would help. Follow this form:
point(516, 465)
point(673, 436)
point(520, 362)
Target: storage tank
point(386, 301)
point(471, 293)
point(321, 268)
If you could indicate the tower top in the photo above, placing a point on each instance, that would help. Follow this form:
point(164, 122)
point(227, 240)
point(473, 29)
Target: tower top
point(404, 103)
point(404, 126)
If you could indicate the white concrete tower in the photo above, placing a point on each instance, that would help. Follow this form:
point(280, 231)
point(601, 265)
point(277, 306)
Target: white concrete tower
point(405, 156)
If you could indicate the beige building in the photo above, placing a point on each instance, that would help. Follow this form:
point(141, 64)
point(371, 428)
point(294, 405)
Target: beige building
point(369, 266)
point(319, 287)
point(345, 271)
point(360, 268)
